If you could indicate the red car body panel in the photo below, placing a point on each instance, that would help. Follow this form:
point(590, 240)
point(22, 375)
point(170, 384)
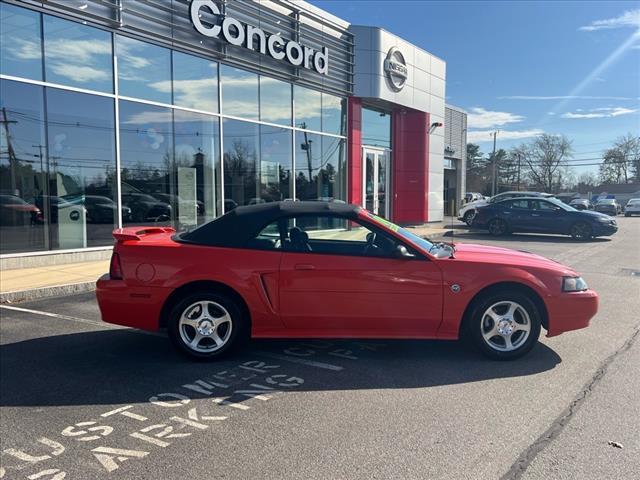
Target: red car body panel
point(307, 295)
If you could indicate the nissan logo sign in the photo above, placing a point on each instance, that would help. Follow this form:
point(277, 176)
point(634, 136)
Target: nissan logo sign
point(396, 69)
point(236, 33)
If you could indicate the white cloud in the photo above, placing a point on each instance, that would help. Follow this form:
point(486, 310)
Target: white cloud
point(79, 73)
point(630, 18)
point(606, 112)
point(561, 97)
point(478, 117)
point(479, 136)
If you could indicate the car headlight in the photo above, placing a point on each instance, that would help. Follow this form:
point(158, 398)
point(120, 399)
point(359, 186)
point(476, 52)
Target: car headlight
point(573, 284)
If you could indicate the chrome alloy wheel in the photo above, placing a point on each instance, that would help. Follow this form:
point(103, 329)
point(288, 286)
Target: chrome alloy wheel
point(205, 326)
point(505, 326)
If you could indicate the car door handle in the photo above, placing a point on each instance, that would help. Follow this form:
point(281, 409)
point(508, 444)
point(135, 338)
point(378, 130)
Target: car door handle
point(304, 266)
point(535, 214)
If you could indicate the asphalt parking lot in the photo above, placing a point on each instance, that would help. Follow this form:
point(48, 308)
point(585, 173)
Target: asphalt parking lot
point(84, 400)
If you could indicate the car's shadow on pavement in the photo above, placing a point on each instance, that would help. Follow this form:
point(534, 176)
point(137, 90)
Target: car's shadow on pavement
point(118, 366)
point(471, 235)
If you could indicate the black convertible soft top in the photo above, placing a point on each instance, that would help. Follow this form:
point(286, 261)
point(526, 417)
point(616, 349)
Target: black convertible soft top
point(237, 227)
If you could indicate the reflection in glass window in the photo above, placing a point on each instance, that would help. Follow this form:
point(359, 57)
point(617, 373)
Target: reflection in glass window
point(241, 146)
point(308, 108)
point(197, 164)
point(144, 70)
point(275, 101)
point(147, 157)
point(82, 169)
point(239, 92)
point(195, 82)
point(332, 174)
point(308, 164)
point(77, 55)
point(257, 163)
point(376, 128)
point(20, 42)
point(275, 163)
point(334, 114)
point(22, 167)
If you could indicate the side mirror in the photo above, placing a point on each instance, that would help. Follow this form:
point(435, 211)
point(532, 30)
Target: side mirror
point(401, 252)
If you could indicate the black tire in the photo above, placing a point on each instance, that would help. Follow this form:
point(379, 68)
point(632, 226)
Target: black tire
point(627, 214)
point(219, 306)
point(478, 323)
point(581, 231)
point(498, 227)
point(468, 217)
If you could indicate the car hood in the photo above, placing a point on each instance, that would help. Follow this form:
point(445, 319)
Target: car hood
point(594, 215)
point(505, 256)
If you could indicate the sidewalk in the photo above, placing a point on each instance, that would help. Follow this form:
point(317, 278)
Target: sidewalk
point(39, 282)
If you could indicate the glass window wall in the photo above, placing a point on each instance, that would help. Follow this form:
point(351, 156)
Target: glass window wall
point(146, 157)
point(82, 169)
point(58, 164)
point(376, 128)
point(23, 166)
point(144, 70)
point(197, 168)
point(308, 108)
point(77, 55)
point(20, 42)
point(239, 92)
point(275, 101)
point(195, 82)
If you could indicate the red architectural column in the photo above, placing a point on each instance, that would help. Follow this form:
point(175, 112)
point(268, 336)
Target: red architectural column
point(410, 166)
point(354, 150)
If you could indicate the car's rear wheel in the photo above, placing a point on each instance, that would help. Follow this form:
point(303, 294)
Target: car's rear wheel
point(504, 325)
point(468, 217)
point(581, 231)
point(498, 227)
point(206, 325)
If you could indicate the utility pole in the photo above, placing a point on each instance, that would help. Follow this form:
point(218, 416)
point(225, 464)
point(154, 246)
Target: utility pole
point(493, 166)
point(518, 171)
point(10, 151)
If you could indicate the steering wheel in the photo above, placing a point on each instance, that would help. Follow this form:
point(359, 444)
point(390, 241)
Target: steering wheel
point(371, 248)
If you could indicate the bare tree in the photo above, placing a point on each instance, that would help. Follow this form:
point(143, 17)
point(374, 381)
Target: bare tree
point(622, 161)
point(545, 160)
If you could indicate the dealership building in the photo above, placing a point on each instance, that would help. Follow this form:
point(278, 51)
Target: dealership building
point(173, 112)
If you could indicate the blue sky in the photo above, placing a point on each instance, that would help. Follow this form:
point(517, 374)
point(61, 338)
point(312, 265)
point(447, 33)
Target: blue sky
point(568, 68)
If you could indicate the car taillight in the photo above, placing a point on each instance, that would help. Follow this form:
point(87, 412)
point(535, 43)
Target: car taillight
point(115, 270)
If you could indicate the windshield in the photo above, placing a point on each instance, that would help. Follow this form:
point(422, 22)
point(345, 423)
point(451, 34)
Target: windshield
point(412, 237)
point(561, 204)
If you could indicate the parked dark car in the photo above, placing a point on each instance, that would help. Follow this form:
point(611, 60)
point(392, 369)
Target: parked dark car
point(145, 208)
point(468, 211)
point(581, 204)
point(15, 211)
point(608, 206)
point(543, 215)
point(102, 209)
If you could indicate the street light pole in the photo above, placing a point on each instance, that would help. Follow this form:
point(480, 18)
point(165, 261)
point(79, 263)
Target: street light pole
point(493, 166)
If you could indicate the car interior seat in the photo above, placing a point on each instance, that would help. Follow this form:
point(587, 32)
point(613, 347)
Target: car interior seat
point(299, 240)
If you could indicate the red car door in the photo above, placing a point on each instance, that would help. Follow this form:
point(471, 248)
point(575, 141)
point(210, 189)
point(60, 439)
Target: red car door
point(351, 294)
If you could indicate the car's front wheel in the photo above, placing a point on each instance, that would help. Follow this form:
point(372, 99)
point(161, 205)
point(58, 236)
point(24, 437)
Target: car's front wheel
point(498, 227)
point(206, 325)
point(468, 217)
point(581, 231)
point(504, 325)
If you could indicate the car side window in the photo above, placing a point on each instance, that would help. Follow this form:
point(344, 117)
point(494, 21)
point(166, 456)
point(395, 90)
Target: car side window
point(267, 239)
point(544, 206)
point(520, 205)
point(327, 234)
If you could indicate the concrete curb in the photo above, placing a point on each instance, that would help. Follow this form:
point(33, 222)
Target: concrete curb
point(45, 292)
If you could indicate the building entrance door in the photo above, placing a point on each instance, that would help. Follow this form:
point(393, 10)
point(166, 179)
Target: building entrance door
point(375, 183)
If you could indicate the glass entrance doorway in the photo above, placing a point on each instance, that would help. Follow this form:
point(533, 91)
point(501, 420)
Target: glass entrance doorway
point(376, 180)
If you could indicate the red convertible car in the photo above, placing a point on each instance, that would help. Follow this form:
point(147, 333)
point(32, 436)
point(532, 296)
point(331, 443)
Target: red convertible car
point(330, 270)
